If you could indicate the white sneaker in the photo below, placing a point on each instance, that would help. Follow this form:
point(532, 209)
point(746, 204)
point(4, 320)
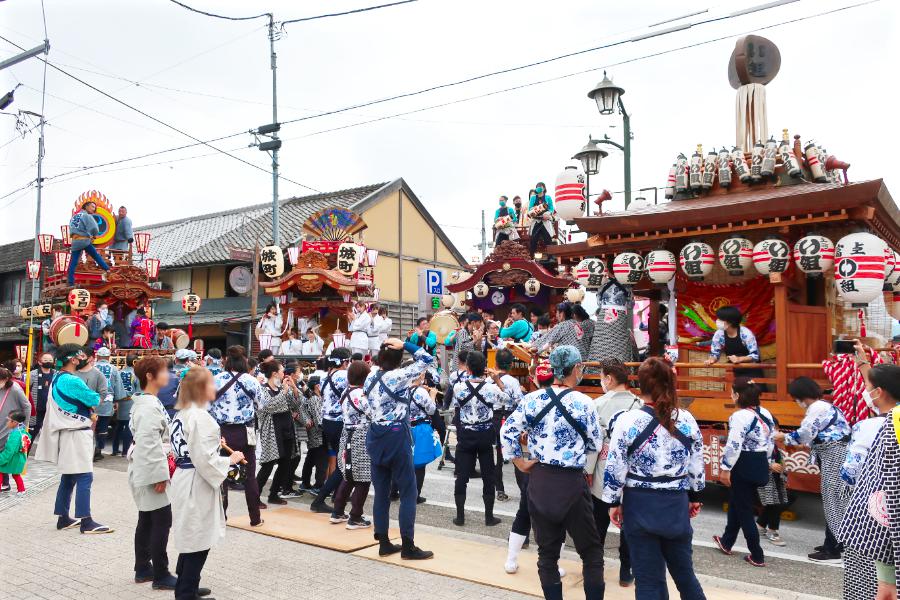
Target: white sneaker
point(511, 566)
point(562, 572)
point(20, 494)
point(774, 538)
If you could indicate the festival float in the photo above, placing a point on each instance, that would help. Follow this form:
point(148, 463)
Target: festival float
point(329, 271)
point(772, 225)
point(128, 285)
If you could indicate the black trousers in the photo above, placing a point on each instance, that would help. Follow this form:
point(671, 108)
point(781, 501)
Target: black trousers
point(472, 445)
point(539, 237)
point(151, 535)
point(282, 482)
point(522, 523)
point(770, 518)
point(601, 518)
point(236, 438)
point(498, 469)
point(356, 492)
point(741, 498)
point(315, 458)
point(190, 564)
point(559, 502)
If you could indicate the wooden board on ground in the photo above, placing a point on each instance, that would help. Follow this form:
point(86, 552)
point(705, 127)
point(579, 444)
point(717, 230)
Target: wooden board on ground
point(482, 563)
point(301, 525)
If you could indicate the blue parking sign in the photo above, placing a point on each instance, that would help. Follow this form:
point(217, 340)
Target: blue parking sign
point(434, 280)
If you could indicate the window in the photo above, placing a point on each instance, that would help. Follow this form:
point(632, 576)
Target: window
point(12, 289)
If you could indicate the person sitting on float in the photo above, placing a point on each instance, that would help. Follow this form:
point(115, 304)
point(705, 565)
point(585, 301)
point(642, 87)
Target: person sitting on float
point(124, 232)
point(542, 230)
point(83, 229)
point(423, 337)
point(736, 341)
point(505, 230)
point(517, 327)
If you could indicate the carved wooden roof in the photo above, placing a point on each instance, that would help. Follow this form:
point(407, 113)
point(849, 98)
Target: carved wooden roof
point(508, 265)
point(309, 276)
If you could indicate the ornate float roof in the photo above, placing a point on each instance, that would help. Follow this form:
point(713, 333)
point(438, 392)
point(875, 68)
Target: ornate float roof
point(309, 276)
point(508, 265)
point(127, 283)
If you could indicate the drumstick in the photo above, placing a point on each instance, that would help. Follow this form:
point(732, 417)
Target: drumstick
point(230, 451)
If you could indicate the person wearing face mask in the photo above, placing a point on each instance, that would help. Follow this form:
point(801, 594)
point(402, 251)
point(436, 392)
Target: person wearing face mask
point(873, 469)
point(276, 433)
point(271, 324)
point(617, 399)
point(734, 340)
point(360, 324)
point(859, 572)
point(40, 387)
point(826, 431)
point(563, 436)
point(541, 211)
point(520, 214)
point(505, 229)
point(67, 439)
point(98, 321)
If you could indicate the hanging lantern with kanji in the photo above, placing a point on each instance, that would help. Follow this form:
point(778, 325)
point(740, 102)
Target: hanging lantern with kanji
point(33, 269)
point(890, 262)
point(38, 312)
point(532, 287)
point(481, 290)
point(142, 242)
point(697, 260)
point(152, 265)
point(271, 261)
point(348, 257)
point(814, 254)
point(736, 255)
point(771, 256)
point(569, 200)
point(627, 268)
point(575, 295)
point(660, 265)
point(79, 299)
point(65, 237)
point(45, 241)
point(190, 303)
point(61, 260)
point(859, 268)
point(22, 352)
point(589, 273)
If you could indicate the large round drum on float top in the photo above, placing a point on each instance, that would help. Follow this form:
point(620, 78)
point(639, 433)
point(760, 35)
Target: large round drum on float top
point(68, 329)
point(179, 337)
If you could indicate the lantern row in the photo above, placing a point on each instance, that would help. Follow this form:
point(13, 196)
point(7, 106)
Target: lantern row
point(863, 264)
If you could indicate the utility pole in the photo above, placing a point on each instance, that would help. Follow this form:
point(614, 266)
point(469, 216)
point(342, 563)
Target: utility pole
point(483, 239)
point(275, 232)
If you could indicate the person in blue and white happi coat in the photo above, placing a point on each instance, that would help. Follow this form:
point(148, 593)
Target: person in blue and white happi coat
point(826, 431)
point(476, 398)
point(745, 466)
point(389, 443)
point(513, 389)
point(563, 436)
point(333, 387)
point(653, 478)
point(422, 407)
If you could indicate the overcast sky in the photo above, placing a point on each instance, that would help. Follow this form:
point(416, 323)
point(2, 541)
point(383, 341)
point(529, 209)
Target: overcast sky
point(211, 78)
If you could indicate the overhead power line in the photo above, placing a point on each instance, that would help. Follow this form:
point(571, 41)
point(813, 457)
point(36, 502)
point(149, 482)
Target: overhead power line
point(341, 14)
point(209, 14)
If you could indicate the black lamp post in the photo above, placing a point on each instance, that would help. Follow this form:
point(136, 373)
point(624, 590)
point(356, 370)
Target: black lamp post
point(608, 97)
point(590, 157)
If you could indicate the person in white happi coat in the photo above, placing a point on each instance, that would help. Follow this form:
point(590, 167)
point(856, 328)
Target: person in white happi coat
point(360, 325)
point(196, 494)
point(148, 475)
point(271, 324)
point(381, 329)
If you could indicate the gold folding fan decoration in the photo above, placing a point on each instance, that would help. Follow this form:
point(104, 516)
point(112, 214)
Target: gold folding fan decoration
point(334, 224)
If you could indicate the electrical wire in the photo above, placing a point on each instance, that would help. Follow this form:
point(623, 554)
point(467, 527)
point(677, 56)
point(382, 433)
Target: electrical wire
point(163, 123)
point(209, 14)
point(340, 14)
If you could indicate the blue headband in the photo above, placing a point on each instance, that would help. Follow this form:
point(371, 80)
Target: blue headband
point(563, 358)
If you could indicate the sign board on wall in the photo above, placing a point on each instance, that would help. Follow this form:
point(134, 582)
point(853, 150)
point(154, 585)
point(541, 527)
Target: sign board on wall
point(431, 288)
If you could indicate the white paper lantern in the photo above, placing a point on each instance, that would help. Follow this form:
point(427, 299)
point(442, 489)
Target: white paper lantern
point(569, 200)
point(190, 303)
point(589, 273)
point(481, 289)
point(575, 295)
point(771, 256)
point(79, 299)
point(532, 287)
point(661, 265)
point(271, 260)
point(814, 254)
point(736, 255)
point(348, 258)
point(890, 261)
point(893, 279)
point(859, 268)
point(628, 267)
point(448, 300)
point(697, 260)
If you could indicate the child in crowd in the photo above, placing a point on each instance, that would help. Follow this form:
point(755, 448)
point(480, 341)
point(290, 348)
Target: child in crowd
point(13, 455)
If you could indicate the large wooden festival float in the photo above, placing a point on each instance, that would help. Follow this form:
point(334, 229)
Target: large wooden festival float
point(329, 271)
point(127, 286)
point(779, 232)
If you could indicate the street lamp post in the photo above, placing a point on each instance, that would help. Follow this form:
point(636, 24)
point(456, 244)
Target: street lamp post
point(590, 157)
point(608, 97)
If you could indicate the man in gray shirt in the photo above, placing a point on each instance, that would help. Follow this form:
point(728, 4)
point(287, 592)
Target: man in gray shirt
point(95, 380)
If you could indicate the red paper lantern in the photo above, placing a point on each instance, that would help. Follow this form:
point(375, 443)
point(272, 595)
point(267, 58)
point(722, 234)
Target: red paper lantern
point(142, 242)
point(45, 240)
point(61, 259)
point(33, 269)
point(66, 238)
point(152, 265)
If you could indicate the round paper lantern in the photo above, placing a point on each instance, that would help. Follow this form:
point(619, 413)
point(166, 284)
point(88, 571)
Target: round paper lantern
point(569, 200)
point(893, 280)
point(660, 265)
point(736, 255)
point(190, 303)
point(271, 260)
point(628, 268)
point(589, 273)
point(814, 254)
point(448, 300)
point(771, 256)
point(697, 260)
point(859, 269)
point(575, 295)
point(890, 262)
point(481, 289)
point(532, 287)
point(79, 299)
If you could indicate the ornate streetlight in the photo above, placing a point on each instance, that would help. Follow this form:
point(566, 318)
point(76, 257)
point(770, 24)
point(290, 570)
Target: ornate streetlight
point(608, 97)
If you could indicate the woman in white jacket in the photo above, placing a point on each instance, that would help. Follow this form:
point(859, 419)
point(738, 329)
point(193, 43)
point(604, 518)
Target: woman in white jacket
point(199, 518)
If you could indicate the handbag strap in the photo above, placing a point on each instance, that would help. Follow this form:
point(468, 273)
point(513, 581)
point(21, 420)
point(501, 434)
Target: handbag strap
point(6, 395)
